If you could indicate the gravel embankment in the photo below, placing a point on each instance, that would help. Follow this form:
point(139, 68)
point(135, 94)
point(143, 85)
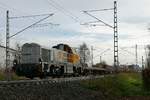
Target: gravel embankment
point(58, 91)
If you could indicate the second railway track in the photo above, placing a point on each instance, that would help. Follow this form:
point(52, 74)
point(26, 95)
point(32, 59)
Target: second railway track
point(45, 81)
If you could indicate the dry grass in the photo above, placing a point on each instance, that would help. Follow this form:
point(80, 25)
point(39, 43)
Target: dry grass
point(12, 76)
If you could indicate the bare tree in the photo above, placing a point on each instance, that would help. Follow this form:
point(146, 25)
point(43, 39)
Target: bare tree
point(18, 51)
point(148, 56)
point(84, 53)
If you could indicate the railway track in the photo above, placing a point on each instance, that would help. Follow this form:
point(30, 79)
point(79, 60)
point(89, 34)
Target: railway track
point(45, 81)
point(48, 89)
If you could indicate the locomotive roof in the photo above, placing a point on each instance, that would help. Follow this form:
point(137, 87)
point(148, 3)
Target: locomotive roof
point(35, 44)
point(31, 44)
point(66, 46)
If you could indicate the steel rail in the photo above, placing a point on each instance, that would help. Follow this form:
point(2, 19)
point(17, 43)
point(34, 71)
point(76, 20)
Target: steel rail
point(47, 81)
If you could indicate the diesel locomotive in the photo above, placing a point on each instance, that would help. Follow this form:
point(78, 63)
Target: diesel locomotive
point(37, 61)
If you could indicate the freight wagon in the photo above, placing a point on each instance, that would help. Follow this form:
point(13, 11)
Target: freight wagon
point(37, 61)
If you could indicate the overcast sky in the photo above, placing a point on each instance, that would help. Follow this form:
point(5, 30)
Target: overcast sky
point(133, 21)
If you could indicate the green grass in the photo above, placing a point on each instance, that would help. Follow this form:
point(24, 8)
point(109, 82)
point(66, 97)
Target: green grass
point(123, 84)
point(2, 76)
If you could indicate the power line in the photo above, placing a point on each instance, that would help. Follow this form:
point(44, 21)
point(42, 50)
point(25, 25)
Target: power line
point(31, 25)
point(102, 52)
point(9, 48)
point(73, 15)
point(100, 10)
point(44, 25)
point(127, 51)
point(3, 4)
point(90, 22)
point(62, 10)
point(13, 9)
point(29, 16)
point(86, 12)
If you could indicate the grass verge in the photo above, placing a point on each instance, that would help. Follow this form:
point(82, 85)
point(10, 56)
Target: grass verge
point(122, 84)
point(3, 76)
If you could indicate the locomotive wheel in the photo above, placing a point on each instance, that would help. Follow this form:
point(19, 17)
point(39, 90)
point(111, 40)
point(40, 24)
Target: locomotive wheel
point(43, 75)
point(31, 76)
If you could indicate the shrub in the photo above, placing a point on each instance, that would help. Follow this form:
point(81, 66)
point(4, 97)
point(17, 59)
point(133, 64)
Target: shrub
point(146, 78)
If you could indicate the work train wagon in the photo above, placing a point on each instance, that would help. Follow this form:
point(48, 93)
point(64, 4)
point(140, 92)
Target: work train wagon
point(36, 61)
